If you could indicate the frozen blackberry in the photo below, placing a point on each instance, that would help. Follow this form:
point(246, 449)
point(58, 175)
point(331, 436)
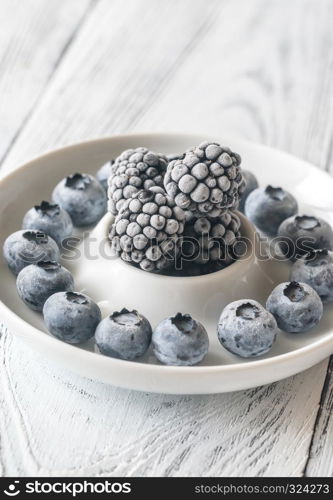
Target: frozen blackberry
point(133, 170)
point(206, 181)
point(188, 269)
point(147, 229)
point(210, 241)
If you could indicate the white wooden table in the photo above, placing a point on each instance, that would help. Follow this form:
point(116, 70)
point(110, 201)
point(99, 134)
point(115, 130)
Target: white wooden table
point(76, 69)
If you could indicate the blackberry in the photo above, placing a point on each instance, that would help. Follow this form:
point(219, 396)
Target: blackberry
point(206, 181)
point(133, 170)
point(146, 231)
point(210, 241)
point(175, 156)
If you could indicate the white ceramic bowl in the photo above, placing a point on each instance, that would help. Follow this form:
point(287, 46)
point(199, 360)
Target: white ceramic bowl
point(113, 284)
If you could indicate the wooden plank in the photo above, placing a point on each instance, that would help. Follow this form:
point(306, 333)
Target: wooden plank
point(265, 75)
point(205, 67)
point(320, 462)
point(121, 59)
point(56, 423)
point(34, 36)
point(250, 78)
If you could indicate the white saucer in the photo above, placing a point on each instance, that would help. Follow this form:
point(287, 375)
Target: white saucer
point(220, 371)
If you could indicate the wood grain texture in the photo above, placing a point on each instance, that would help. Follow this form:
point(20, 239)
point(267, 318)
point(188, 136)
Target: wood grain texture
point(265, 75)
point(120, 61)
point(258, 69)
point(242, 75)
point(34, 36)
point(56, 423)
point(320, 461)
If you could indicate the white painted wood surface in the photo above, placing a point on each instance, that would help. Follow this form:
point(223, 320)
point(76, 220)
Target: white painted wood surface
point(261, 69)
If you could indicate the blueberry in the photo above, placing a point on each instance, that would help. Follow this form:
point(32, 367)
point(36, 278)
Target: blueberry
point(37, 282)
point(82, 196)
point(180, 340)
point(104, 173)
point(268, 207)
point(300, 234)
point(125, 335)
point(250, 183)
point(175, 156)
point(51, 219)
point(29, 247)
point(245, 328)
point(316, 269)
point(72, 317)
point(296, 306)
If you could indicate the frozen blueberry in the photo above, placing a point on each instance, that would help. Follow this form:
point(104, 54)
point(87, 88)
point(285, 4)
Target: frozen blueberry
point(245, 328)
point(296, 306)
point(37, 282)
point(316, 269)
point(180, 340)
point(124, 335)
point(83, 197)
point(29, 247)
point(51, 219)
point(175, 156)
point(300, 234)
point(250, 183)
point(104, 173)
point(72, 317)
point(268, 207)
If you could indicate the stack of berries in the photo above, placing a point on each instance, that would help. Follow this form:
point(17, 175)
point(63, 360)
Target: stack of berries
point(177, 216)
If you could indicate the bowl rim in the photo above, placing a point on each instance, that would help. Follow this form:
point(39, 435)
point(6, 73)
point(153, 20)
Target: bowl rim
point(58, 345)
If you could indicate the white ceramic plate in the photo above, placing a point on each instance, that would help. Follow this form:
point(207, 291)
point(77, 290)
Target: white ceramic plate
point(220, 371)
